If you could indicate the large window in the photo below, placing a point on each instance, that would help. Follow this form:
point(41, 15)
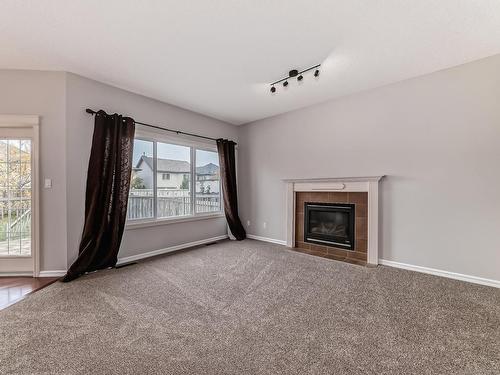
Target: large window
point(172, 180)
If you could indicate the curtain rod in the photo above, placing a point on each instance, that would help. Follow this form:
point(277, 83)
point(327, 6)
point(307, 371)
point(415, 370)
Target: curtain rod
point(92, 112)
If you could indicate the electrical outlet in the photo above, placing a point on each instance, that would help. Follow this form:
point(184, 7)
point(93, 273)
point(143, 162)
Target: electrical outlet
point(264, 224)
point(248, 223)
point(47, 183)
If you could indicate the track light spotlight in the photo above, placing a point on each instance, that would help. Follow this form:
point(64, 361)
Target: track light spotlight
point(295, 73)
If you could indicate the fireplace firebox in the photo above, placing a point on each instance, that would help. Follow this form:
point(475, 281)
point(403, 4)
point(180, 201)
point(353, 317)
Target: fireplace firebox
point(330, 224)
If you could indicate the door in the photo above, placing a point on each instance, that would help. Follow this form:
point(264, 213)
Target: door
point(17, 218)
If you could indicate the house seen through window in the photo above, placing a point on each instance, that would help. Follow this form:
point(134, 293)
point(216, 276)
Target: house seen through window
point(172, 180)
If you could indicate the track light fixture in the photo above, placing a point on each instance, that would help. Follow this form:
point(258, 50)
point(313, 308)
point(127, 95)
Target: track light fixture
point(295, 73)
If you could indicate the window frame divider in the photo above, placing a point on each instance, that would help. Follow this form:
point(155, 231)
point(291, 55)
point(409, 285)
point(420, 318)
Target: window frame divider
point(193, 180)
point(155, 182)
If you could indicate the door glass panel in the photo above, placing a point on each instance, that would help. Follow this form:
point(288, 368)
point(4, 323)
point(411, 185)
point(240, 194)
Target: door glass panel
point(14, 150)
point(15, 197)
point(3, 149)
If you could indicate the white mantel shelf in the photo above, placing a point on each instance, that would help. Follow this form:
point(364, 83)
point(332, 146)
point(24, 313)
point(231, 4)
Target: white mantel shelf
point(335, 179)
point(367, 184)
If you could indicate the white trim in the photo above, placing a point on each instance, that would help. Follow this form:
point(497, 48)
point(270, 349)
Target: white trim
point(32, 122)
point(133, 258)
point(335, 179)
point(19, 121)
point(153, 253)
point(16, 274)
point(58, 273)
point(35, 199)
point(54, 273)
point(442, 273)
point(373, 226)
point(266, 239)
point(145, 223)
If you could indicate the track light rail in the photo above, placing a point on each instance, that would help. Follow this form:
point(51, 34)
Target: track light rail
point(297, 73)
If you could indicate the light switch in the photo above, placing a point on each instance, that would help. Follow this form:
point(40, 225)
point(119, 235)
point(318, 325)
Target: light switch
point(48, 183)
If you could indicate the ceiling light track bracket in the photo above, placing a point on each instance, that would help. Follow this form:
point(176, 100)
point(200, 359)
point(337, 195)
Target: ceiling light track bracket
point(295, 73)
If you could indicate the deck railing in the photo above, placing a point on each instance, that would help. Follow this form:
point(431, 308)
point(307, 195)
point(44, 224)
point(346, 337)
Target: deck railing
point(20, 220)
point(170, 203)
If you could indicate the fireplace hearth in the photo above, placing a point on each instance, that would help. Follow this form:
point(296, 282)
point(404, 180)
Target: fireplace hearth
point(330, 224)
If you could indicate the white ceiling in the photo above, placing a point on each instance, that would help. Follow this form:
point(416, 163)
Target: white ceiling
point(217, 57)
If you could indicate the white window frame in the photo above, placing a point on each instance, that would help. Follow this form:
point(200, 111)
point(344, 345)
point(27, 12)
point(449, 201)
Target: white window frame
point(159, 136)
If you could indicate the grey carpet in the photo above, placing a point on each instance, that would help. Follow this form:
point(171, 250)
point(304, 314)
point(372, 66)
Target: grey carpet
point(253, 308)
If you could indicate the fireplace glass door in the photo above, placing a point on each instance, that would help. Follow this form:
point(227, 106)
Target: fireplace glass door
point(330, 224)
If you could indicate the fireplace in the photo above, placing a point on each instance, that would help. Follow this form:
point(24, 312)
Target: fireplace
point(330, 224)
point(360, 244)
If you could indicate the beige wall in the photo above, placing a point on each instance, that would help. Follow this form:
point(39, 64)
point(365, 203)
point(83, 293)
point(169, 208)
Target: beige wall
point(43, 94)
point(437, 138)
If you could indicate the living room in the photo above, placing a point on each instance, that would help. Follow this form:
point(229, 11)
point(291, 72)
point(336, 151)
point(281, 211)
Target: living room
point(250, 187)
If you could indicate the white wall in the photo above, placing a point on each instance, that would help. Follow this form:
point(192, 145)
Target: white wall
point(436, 137)
point(43, 94)
point(85, 93)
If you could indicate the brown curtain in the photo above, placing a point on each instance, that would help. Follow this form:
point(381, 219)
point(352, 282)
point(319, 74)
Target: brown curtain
point(227, 163)
point(108, 182)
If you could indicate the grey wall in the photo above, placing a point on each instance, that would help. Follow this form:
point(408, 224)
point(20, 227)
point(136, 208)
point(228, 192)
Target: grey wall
point(43, 94)
point(437, 138)
point(66, 130)
point(84, 93)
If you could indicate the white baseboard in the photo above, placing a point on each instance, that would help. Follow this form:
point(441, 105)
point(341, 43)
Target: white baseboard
point(16, 274)
point(442, 273)
point(59, 273)
point(410, 267)
point(265, 239)
point(153, 253)
point(55, 273)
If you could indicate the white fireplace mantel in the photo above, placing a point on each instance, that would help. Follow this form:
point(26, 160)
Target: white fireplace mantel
point(339, 184)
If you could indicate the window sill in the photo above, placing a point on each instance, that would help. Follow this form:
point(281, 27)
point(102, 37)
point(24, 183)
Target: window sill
point(147, 223)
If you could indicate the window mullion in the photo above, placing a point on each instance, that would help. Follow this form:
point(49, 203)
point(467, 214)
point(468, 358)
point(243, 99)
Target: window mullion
point(193, 181)
point(155, 176)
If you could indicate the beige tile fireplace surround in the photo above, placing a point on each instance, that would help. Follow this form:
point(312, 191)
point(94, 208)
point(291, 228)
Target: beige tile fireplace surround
point(360, 191)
